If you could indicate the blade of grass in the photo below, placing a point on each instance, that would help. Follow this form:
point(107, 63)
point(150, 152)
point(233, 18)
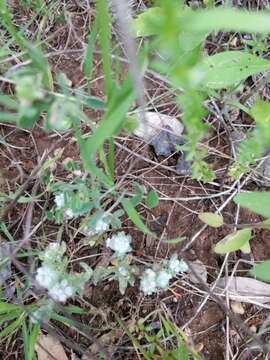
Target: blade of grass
point(88, 59)
point(32, 340)
point(113, 119)
point(13, 326)
point(134, 216)
point(104, 26)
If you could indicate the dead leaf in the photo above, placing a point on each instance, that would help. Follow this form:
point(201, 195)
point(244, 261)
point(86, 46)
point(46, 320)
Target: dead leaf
point(200, 269)
point(53, 346)
point(244, 289)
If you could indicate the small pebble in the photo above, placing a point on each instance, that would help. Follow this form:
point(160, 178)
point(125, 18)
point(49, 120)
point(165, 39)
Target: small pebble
point(253, 329)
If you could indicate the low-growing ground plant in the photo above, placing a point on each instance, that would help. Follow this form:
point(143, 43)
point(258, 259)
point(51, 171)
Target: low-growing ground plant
point(88, 203)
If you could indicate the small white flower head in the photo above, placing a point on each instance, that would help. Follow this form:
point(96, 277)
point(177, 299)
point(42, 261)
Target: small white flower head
point(69, 214)
point(54, 252)
point(148, 283)
point(120, 243)
point(176, 266)
point(101, 225)
point(61, 291)
point(46, 276)
point(163, 278)
point(59, 200)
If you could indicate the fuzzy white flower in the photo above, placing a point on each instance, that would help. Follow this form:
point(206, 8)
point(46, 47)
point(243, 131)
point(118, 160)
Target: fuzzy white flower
point(176, 266)
point(120, 243)
point(61, 291)
point(59, 200)
point(51, 251)
point(46, 276)
point(69, 214)
point(101, 225)
point(163, 278)
point(148, 283)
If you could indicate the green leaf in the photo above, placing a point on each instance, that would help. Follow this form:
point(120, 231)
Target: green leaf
point(134, 216)
point(230, 67)
point(89, 164)
point(261, 114)
point(233, 242)
point(143, 24)
point(28, 117)
point(258, 202)
point(246, 248)
point(262, 271)
point(211, 219)
point(104, 26)
point(8, 102)
point(88, 58)
point(205, 21)
point(152, 199)
point(5, 307)
point(113, 119)
point(228, 20)
point(94, 102)
point(8, 117)
point(174, 241)
point(13, 326)
point(32, 341)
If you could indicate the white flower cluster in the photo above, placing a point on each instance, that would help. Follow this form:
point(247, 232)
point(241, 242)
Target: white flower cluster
point(101, 226)
point(59, 200)
point(176, 266)
point(120, 243)
point(49, 277)
point(152, 280)
point(61, 291)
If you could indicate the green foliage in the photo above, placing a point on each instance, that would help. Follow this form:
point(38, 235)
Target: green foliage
point(177, 32)
point(262, 271)
point(211, 219)
point(258, 202)
point(233, 242)
point(134, 216)
point(229, 68)
point(152, 199)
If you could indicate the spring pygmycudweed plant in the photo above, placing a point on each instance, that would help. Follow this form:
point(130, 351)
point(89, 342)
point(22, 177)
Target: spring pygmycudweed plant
point(61, 285)
point(159, 276)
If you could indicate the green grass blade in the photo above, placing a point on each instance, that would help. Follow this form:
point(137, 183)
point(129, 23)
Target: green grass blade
point(104, 25)
point(9, 117)
point(13, 326)
point(134, 216)
point(25, 340)
point(32, 340)
point(88, 60)
point(8, 102)
point(112, 120)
